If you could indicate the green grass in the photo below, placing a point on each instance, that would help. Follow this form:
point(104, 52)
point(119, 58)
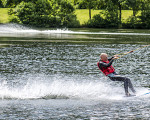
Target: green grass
point(4, 17)
point(83, 14)
point(126, 14)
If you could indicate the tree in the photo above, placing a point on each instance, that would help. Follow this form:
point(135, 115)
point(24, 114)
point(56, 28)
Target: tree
point(111, 14)
point(88, 4)
point(3, 3)
point(13, 3)
point(135, 5)
point(119, 3)
point(145, 13)
point(45, 13)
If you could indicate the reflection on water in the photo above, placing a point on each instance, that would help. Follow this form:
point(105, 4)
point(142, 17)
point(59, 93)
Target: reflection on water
point(52, 74)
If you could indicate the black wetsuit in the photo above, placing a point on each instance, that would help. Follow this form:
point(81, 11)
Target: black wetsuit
point(113, 76)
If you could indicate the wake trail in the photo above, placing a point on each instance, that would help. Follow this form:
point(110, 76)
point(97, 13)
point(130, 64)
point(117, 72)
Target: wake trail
point(20, 29)
point(60, 89)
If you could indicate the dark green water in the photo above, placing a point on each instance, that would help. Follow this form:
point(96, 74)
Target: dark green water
point(53, 74)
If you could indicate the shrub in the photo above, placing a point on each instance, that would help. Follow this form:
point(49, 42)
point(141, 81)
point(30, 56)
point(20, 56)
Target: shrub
point(26, 13)
point(145, 18)
point(108, 21)
point(14, 19)
point(97, 22)
point(83, 5)
point(71, 22)
point(1, 5)
point(43, 7)
point(66, 13)
point(132, 22)
point(45, 13)
point(111, 15)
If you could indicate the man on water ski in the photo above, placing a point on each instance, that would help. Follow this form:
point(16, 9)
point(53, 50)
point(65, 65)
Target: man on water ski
point(105, 65)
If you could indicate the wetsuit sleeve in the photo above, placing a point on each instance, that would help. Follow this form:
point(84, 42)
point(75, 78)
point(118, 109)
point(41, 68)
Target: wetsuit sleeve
point(102, 64)
point(110, 58)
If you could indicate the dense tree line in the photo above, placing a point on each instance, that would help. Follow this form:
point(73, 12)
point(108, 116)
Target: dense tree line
point(45, 13)
point(60, 13)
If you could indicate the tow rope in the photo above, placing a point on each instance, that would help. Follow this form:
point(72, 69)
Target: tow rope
point(123, 54)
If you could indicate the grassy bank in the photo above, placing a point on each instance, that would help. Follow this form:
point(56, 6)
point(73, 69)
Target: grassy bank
point(82, 15)
point(4, 17)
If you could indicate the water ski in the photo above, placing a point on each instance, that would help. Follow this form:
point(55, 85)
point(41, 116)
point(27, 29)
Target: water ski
point(148, 93)
point(130, 96)
point(144, 94)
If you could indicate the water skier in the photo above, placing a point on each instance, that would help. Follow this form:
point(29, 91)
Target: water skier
point(105, 65)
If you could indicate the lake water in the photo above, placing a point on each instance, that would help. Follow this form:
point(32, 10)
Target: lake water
point(53, 74)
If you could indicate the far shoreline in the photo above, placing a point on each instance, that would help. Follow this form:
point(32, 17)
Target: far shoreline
point(124, 30)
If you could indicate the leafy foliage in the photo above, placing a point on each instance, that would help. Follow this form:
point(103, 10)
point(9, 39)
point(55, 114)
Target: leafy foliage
point(3, 3)
point(132, 22)
point(41, 13)
point(110, 18)
point(60, 13)
point(97, 22)
point(111, 14)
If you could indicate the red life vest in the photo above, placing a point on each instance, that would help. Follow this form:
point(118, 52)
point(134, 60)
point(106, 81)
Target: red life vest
point(106, 70)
